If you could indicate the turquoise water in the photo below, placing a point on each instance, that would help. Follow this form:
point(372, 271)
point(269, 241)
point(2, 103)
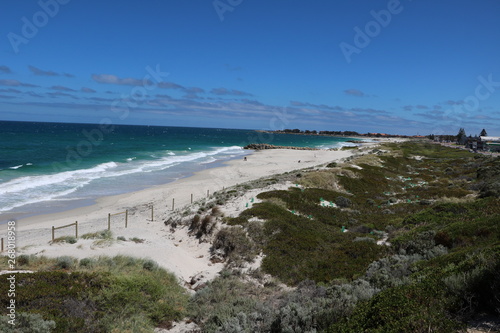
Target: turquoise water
point(43, 165)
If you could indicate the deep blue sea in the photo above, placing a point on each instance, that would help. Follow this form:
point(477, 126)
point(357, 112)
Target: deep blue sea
point(47, 166)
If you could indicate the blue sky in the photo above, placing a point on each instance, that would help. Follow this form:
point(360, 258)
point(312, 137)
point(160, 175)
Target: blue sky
point(400, 67)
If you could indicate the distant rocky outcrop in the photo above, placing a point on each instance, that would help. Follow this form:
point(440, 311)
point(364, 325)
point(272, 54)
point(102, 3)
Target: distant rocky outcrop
point(261, 146)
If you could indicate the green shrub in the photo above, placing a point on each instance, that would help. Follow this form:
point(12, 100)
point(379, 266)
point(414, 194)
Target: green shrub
point(23, 260)
point(343, 202)
point(87, 262)
point(27, 323)
point(410, 308)
point(65, 262)
point(121, 238)
point(104, 234)
point(137, 240)
point(65, 239)
point(195, 222)
point(228, 304)
point(234, 243)
point(150, 265)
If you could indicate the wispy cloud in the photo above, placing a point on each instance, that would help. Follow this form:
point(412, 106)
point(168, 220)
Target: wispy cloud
point(41, 72)
point(61, 94)
point(422, 107)
point(450, 102)
point(113, 79)
point(354, 92)
point(5, 70)
point(15, 83)
point(170, 85)
point(194, 90)
point(61, 88)
point(10, 90)
point(33, 94)
point(87, 90)
point(229, 92)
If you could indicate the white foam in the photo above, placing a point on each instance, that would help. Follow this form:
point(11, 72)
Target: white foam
point(33, 189)
point(210, 160)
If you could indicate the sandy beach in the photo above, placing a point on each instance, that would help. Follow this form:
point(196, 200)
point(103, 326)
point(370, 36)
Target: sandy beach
point(174, 250)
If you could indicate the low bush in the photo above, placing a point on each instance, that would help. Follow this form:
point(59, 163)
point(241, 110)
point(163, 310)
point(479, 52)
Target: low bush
point(23, 260)
point(150, 265)
point(65, 262)
point(234, 243)
point(87, 262)
point(65, 239)
point(27, 322)
point(343, 202)
point(104, 234)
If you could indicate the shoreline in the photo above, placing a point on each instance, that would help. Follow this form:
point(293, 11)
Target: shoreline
point(56, 207)
point(177, 251)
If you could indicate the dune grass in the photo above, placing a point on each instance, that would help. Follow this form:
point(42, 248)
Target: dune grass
point(103, 294)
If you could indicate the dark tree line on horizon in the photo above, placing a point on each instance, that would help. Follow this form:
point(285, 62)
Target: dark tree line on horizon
point(460, 137)
point(335, 133)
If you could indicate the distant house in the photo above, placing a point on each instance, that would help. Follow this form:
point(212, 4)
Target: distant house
point(474, 143)
point(490, 143)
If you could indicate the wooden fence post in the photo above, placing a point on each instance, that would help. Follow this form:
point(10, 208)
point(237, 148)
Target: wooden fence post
point(191, 197)
point(109, 221)
point(53, 233)
point(2, 244)
point(126, 218)
point(208, 193)
point(76, 229)
point(152, 208)
point(173, 203)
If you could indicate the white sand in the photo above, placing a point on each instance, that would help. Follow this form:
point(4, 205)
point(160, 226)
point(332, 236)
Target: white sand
point(177, 252)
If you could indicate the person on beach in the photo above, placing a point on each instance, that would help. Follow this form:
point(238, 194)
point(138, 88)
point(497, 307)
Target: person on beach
point(244, 158)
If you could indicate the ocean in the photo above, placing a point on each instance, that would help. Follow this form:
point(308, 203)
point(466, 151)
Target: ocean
point(48, 167)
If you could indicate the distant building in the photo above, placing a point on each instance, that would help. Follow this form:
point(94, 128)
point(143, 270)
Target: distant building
point(490, 143)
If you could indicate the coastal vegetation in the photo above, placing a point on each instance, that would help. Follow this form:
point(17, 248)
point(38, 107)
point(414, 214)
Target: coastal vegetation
point(401, 238)
point(119, 294)
point(406, 238)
